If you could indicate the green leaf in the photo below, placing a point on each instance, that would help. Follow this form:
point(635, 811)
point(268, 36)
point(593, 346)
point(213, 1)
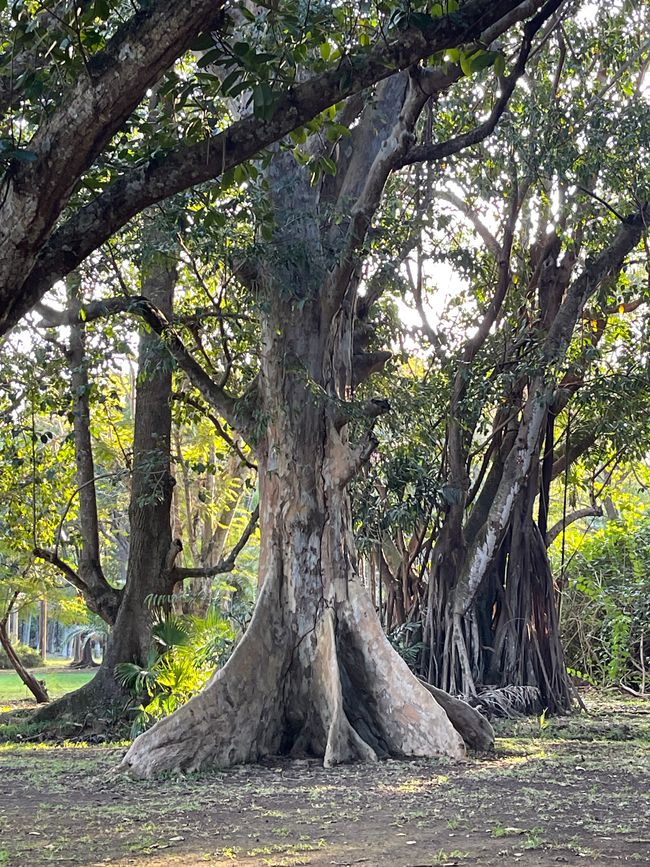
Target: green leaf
point(482, 60)
point(202, 43)
point(209, 58)
point(171, 633)
point(229, 81)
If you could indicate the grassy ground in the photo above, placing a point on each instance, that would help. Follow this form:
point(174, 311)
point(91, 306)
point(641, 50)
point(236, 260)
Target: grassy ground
point(569, 791)
point(58, 681)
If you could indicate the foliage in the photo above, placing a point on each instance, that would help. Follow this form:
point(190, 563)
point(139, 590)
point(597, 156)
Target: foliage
point(185, 652)
point(403, 641)
point(28, 656)
point(606, 607)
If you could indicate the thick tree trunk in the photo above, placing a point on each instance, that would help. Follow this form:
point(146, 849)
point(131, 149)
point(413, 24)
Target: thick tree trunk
point(314, 673)
point(83, 657)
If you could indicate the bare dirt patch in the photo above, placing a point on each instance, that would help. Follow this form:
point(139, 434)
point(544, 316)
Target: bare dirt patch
point(572, 791)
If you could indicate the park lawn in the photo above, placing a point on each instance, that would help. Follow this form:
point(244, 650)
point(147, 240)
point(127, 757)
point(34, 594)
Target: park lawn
point(58, 682)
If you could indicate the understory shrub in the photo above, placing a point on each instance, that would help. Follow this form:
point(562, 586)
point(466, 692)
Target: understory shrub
point(186, 652)
point(606, 604)
point(29, 657)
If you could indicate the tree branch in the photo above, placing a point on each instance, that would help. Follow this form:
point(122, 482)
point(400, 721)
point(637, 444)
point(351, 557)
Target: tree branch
point(228, 563)
point(88, 115)
point(556, 529)
point(439, 150)
point(225, 436)
point(65, 568)
point(180, 168)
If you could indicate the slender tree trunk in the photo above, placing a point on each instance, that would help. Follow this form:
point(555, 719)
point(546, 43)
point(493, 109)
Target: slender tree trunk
point(36, 688)
point(13, 626)
point(42, 629)
point(151, 550)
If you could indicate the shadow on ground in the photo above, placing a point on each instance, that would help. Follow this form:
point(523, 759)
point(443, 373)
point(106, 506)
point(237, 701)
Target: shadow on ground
point(570, 791)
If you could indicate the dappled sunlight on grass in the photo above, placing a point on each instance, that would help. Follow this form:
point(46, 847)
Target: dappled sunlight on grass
point(57, 682)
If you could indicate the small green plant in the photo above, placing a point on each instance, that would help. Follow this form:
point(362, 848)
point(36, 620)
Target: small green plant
point(534, 839)
point(444, 857)
point(185, 652)
point(501, 831)
point(542, 721)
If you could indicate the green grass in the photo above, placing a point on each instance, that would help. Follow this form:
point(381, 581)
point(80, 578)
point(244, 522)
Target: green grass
point(58, 683)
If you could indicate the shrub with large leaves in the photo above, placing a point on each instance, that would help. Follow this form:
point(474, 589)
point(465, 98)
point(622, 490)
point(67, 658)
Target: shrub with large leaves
point(606, 609)
point(185, 652)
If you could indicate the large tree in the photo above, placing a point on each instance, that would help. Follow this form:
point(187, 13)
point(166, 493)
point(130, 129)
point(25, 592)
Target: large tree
point(539, 243)
point(314, 673)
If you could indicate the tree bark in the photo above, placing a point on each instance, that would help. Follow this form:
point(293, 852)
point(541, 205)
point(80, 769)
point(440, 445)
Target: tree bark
point(314, 673)
point(83, 657)
point(151, 551)
point(42, 629)
point(33, 256)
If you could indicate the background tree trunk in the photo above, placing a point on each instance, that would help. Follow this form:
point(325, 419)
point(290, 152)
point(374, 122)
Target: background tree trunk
point(42, 629)
point(151, 550)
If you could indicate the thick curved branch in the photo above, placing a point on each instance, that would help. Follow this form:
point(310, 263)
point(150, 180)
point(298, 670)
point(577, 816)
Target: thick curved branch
point(572, 517)
point(227, 405)
point(89, 114)
point(185, 166)
point(100, 597)
point(70, 575)
point(228, 563)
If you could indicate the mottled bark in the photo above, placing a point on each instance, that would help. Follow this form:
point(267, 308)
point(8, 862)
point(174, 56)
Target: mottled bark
point(314, 673)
